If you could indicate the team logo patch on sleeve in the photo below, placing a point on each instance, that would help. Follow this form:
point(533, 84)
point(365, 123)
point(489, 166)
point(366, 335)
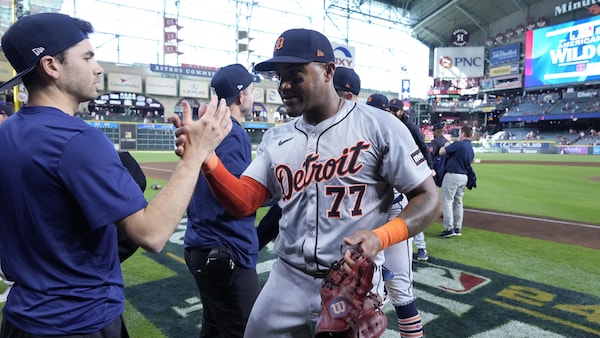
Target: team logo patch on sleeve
point(417, 157)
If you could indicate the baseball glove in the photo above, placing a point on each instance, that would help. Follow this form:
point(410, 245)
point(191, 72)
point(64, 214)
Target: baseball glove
point(349, 308)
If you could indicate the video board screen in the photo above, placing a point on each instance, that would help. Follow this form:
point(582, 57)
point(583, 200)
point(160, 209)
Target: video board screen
point(562, 54)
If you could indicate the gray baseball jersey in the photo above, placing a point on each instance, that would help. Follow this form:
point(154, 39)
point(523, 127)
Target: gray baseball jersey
point(335, 178)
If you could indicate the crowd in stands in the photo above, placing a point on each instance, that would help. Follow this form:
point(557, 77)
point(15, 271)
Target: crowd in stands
point(117, 114)
point(570, 137)
point(572, 101)
point(586, 137)
point(554, 104)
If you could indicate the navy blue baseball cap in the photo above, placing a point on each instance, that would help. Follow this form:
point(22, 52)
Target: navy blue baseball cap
point(396, 103)
point(35, 36)
point(346, 79)
point(378, 101)
point(298, 46)
point(6, 109)
point(229, 81)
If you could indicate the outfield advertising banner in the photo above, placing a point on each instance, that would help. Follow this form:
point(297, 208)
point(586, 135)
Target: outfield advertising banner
point(563, 53)
point(574, 150)
point(458, 62)
point(119, 82)
point(504, 70)
point(504, 82)
point(505, 54)
point(6, 71)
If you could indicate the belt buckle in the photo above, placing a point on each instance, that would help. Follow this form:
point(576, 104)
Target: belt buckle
point(320, 274)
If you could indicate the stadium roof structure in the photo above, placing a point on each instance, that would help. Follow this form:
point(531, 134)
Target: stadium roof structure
point(434, 21)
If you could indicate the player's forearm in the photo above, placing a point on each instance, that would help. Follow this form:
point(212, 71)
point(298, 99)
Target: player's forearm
point(240, 197)
point(151, 227)
point(424, 206)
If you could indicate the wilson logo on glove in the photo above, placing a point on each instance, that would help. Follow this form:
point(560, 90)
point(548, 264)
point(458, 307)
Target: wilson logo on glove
point(338, 308)
point(349, 308)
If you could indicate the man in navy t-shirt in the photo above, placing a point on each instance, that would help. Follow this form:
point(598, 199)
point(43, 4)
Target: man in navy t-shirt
point(65, 190)
point(460, 156)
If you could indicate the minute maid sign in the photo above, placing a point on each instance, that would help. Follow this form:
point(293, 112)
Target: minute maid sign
point(571, 6)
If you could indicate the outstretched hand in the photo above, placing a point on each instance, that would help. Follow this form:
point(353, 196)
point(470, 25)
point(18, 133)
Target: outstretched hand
point(205, 134)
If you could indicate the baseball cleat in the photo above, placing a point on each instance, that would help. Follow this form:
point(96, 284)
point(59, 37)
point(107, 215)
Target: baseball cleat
point(447, 233)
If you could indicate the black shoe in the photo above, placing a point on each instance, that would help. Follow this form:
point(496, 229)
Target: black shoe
point(457, 232)
point(447, 233)
point(422, 255)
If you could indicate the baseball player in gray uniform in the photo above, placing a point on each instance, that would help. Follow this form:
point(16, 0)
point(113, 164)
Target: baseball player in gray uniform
point(332, 171)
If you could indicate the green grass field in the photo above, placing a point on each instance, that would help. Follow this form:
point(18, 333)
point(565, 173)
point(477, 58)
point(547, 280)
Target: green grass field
point(563, 192)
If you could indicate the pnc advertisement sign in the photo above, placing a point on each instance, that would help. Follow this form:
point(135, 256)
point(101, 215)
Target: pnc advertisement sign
point(458, 62)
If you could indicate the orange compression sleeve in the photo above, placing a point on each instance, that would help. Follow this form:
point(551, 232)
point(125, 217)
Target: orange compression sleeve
point(240, 197)
point(212, 164)
point(392, 232)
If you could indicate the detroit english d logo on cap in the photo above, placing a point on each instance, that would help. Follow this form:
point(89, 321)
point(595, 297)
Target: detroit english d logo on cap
point(279, 43)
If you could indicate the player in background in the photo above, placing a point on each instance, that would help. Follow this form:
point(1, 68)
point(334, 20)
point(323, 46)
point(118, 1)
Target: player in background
point(346, 83)
point(398, 273)
point(397, 108)
point(220, 250)
point(379, 101)
point(438, 141)
point(68, 190)
point(332, 171)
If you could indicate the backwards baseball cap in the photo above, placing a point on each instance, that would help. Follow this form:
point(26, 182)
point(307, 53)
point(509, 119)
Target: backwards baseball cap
point(298, 46)
point(378, 101)
point(229, 81)
point(35, 36)
point(346, 79)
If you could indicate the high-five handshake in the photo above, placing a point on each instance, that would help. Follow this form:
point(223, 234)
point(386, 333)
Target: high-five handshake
point(198, 139)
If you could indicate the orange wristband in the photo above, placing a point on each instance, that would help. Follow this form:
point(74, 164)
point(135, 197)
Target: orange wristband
point(212, 164)
point(392, 232)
